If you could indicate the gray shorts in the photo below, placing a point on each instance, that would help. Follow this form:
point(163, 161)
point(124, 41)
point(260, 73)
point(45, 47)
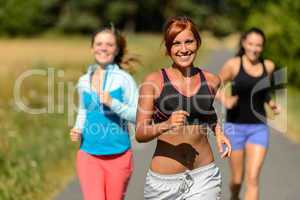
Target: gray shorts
point(203, 183)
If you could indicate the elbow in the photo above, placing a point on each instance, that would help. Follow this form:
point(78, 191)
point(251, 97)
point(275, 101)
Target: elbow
point(140, 136)
point(228, 106)
point(140, 139)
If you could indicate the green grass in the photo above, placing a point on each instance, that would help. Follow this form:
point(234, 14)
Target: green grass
point(293, 113)
point(33, 154)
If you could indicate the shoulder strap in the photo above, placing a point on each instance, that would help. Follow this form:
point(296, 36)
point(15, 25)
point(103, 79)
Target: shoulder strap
point(165, 76)
point(241, 65)
point(204, 82)
point(202, 76)
point(264, 67)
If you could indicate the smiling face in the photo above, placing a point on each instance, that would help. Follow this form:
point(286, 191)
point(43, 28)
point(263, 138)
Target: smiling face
point(104, 48)
point(184, 49)
point(253, 46)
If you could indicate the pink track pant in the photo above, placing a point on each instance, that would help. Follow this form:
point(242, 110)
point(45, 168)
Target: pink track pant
point(104, 177)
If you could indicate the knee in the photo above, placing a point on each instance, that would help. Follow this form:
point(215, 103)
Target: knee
point(237, 179)
point(252, 181)
point(236, 183)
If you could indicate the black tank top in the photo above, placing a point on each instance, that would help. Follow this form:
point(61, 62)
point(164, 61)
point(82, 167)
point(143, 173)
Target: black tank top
point(199, 106)
point(252, 93)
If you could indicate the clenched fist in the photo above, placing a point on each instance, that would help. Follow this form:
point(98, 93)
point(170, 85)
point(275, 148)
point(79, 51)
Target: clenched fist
point(75, 135)
point(177, 119)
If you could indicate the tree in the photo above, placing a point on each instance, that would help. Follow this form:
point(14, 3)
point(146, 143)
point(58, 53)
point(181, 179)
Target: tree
point(280, 21)
point(26, 17)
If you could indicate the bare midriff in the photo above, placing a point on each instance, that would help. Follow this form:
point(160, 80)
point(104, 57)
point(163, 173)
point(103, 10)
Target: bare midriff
point(183, 149)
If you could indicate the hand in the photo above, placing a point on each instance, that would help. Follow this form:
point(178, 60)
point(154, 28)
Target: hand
point(222, 141)
point(177, 119)
point(275, 108)
point(105, 98)
point(75, 135)
point(228, 101)
point(231, 101)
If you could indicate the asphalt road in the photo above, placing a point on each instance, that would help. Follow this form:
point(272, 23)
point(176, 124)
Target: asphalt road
point(280, 178)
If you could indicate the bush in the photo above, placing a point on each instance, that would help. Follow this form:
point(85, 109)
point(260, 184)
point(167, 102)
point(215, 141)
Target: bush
point(281, 25)
point(18, 17)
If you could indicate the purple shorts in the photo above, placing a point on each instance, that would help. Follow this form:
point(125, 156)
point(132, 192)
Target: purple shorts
point(241, 134)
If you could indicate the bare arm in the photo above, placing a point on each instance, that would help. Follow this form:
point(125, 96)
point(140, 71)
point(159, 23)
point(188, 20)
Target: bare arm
point(227, 74)
point(227, 71)
point(270, 66)
point(145, 130)
point(214, 82)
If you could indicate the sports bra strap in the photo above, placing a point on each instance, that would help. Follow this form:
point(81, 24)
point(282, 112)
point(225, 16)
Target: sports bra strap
point(202, 76)
point(165, 76)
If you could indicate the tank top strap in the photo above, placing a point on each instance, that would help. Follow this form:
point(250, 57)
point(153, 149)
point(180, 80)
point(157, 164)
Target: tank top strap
point(264, 67)
point(165, 76)
point(241, 66)
point(262, 62)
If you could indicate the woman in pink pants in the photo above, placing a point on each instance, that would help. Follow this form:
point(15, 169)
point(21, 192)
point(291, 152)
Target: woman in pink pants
point(107, 102)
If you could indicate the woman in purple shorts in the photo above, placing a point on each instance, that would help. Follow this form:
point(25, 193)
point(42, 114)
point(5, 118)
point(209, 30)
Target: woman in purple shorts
point(246, 125)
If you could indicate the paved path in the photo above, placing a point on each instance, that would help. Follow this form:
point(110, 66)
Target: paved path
point(280, 178)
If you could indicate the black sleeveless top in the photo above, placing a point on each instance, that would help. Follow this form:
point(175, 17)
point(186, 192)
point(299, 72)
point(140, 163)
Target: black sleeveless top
point(252, 93)
point(199, 106)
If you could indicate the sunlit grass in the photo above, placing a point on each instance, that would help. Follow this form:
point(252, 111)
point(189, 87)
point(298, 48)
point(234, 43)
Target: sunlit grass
point(293, 114)
point(25, 53)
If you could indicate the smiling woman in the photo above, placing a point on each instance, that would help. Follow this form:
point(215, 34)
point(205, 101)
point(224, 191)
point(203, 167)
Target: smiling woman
point(104, 48)
point(246, 116)
point(183, 50)
point(176, 107)
point(182, 47)
point(108, 101)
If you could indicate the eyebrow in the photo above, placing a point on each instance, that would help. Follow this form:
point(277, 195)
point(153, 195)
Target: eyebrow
point(191, 38)
point(104, 42)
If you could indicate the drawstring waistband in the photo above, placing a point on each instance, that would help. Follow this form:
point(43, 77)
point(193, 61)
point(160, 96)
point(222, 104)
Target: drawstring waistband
point(184, 179)
point(187, 182)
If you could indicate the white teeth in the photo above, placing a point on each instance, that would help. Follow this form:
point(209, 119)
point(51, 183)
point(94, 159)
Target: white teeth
point(102, 54)
point(184, 57)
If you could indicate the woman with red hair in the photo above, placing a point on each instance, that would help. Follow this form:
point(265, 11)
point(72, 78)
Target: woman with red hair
point(176, 107)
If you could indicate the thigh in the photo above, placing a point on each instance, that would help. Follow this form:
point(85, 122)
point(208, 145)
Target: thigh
point(159, 189)
point(211, 194)
point(255, 158)
point(207, 186)
point(236, 163)
point(259, 134)
point(118, 172)
point(236, 134)
point(91, 177)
